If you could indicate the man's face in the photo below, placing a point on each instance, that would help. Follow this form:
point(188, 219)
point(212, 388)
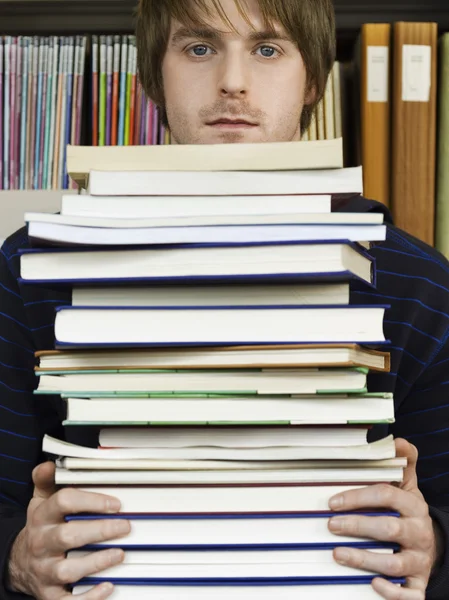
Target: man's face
point(226, 87)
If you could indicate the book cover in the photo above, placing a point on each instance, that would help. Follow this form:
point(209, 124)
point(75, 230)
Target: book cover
point(109, 75)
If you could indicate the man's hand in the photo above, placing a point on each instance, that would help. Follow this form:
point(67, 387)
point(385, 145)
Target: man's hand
point(38, 565)
point(413, 531)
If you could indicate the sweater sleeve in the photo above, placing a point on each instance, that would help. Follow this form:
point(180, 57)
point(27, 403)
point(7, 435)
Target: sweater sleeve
point(423, 419)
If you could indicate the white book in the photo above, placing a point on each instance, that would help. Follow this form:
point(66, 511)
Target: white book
point(218, 564)
point(267, 294)
point(192, 326)
point(142, 464)
point(205, 358)
point(289, 476)
point(81, 160)
point(380, 450)
point(249, 531)
point(220, 183)
point(223, 500)
point(316, 261)
point(160, 207)
point(230, 437)
point(243, 592)
point(308, 410)
point(262, 382)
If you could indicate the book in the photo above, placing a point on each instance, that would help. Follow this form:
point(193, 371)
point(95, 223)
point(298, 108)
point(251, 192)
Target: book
point(234, 410)
point(231, 437)
point(245, 382)
point(256, 563)
point(42, 233)
point(225, 183)
point(315, 262)
point(341, 590)
point(264, 294)
point(414, 128)
point(236, 531)
point(442, 208)
point(223, 499)
point(209, 157)
point(193, 326)
point(153, 207)
point(287, 476)
point(205, 358)
point(375, 47)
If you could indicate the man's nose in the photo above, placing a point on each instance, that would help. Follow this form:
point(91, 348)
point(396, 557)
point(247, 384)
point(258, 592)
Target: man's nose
point(233, 77)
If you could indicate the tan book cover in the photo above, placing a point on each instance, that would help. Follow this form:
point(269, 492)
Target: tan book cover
point(375, 110)
point(414, 128)
point(442, 215)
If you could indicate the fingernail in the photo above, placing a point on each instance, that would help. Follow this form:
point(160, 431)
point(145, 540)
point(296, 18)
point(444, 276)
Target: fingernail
point(117, 556)
point(342, 556)
point(336, 524)
point(106, 588)
point(122, 527)
point(113, 505)
point(336, 502)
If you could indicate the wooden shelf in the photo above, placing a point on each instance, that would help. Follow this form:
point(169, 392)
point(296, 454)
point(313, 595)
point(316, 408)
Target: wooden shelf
point(46, 17)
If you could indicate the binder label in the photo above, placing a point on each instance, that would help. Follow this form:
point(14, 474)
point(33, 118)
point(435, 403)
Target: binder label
point(416, 73)
point(378, 70)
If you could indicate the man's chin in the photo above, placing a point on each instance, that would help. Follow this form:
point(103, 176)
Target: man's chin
point(239, 136)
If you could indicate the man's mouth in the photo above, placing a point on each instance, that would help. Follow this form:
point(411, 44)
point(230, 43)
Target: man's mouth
point(225, 123)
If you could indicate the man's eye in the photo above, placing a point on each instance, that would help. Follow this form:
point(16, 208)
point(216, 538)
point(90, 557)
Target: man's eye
point(199, 50)
point(268, 51)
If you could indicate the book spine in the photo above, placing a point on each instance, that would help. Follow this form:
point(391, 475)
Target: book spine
point(32, 148)
point(6, 105)
point(27, 149)
point(122, 102)
point(1, 111)
point(68, 113)
point(129, 76)
point(17, 123)
point(12, 139)
point(143, 122)
point(102, 93)
point(50, 58)
point(95, 107)
point(75, 88)
point(115, 91)
point(54, 92)
point(132, 102)
point(109, 69)
point(58, 113)
point(138, 114)
point(81, 74)
point(38, 114)
point(44, 113)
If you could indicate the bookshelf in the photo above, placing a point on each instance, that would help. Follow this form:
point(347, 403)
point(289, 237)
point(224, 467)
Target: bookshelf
point(69, 17)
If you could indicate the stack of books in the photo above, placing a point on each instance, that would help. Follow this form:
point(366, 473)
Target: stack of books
point(212, 340)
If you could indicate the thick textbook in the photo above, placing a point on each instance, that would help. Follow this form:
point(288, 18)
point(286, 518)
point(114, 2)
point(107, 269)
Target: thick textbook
point(222, 183)
point(349, 355)
point(308, 261)
point(153, 207)
point(81, 160)
point(216, 326)
point(166, 564)
point(237, 531)
point(244, 382)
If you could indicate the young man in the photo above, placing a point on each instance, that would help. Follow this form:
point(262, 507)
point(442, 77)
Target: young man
point(237, 72)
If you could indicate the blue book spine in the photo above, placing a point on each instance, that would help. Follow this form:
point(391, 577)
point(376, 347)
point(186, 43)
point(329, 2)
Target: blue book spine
point(122, 101)
point(38, 116)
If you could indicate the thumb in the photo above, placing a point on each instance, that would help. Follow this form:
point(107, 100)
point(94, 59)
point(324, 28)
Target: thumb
point(44, 481)
point(410, 452)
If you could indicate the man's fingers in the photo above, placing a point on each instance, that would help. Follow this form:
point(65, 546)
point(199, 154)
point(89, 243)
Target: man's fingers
point(99, 592)
point(390, 591)
point(401, 564)
point(410, 452)
point(44, 480)
point(385, 529)
point(71, 570)
point(380, 496)
point(76, 534)
point(72, 501)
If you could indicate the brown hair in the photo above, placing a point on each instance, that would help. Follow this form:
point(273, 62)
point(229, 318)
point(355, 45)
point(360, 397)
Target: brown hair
point(310, 24)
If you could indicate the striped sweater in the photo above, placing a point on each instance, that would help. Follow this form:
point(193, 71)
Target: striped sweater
point(411, 277)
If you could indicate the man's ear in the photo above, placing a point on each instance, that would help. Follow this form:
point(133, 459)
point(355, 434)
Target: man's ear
point(311, 95)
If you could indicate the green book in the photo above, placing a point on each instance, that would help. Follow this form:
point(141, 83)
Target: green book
point(442, 201)
point(129, 81)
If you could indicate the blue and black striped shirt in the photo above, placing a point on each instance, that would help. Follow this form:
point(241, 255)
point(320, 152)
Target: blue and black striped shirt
point(411, 277)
